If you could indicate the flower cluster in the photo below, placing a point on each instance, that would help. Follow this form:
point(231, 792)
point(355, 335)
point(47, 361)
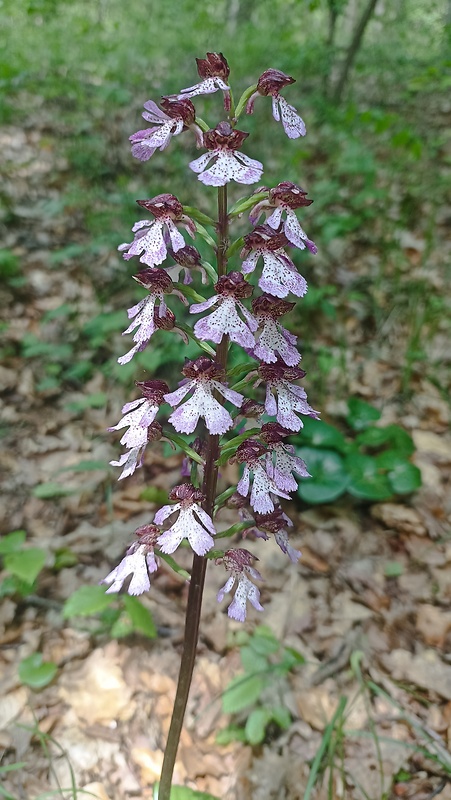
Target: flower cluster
point(243, 309)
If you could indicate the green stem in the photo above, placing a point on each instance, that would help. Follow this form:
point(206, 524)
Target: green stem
point(197, 581)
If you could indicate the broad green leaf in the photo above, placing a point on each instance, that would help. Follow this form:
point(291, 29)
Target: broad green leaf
point(35, 672)
point(154, 495)
point(87, 466)
point(281, 716)
point(87, 600)
point(291, 658)
point(405, 478)
point(50, 490)
point(64, 557)
point(27, 564)
point(264, 642)
point(366, 480)
point(232, 733)
point(121, 626)
point(393, 569)
point(185, 793)
point(252, 662)
point(390, 459)
point(242, 691)
point(97, 400)
point(393, 434)
point(361, 414)
point(12, 542)
point(316, 433)
point(141, 618)
point(256, 725)
point(329, 477)
point(12, 585)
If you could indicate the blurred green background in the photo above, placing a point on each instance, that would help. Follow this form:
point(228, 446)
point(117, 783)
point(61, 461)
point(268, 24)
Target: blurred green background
point(376, 160)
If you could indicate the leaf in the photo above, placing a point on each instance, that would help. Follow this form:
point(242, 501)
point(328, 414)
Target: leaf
point(291, 658)
point(172, 563)
point(12, 542)
point(35, 672)
point(87, 600)
point(281, 716)
point(86, 466)
point(320, 434)
point(405, 478)
point(393, 569)
point(97, 400)
point(252, 662)
point(141, 618)
point(185, 793)
point(329, 477)
point(389, 460)
point(393, 434)
point(264, 642)
point(27, 564)
point(366, 480)
point(361, 414)
point(197, 215)
point(50, 490)
point(232, 733)
point(180, 442)
point(154, 495)
point(256, 723)
point(242, 691)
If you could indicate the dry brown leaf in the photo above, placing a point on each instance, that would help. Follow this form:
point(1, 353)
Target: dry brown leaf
point(399, 518)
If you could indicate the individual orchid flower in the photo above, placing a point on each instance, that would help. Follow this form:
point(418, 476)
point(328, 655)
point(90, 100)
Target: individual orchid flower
point(138, 562)
point(214, 71)
point(290, 398)
point(223, 144)
point(284, 198)
point(225, 320)
point(168, 121)
point(281, 462)
point(263, 486)
point(139, 416)
point(153, 236)
point(192, 523)
point(204, 377)
point(187, 259)
point(270, 83)
point(279, 275)
point(239, 563)
point(273, 341)
point(149, 312)
point(276, 523)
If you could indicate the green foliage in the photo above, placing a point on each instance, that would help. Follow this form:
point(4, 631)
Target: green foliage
point(35, 672)
point(10, 272)
point(266, 664)
point(23, 564)
point(185, 793)
point(119, 615)
point(373, 466)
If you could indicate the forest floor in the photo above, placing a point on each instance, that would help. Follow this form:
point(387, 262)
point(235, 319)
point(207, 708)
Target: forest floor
point(369, 632)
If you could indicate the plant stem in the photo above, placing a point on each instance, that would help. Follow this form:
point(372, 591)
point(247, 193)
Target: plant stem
point(197, 581)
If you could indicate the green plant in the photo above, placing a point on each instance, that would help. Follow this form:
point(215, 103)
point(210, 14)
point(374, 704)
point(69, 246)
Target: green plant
point(23, 565)
point(117, 616)
point(254, 697)
point(373, 465)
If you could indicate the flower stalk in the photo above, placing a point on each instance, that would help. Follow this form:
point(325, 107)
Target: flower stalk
point(243, 307)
